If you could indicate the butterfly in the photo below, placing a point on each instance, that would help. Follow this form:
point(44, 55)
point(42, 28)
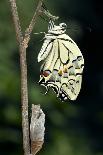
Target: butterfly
point(63, 63)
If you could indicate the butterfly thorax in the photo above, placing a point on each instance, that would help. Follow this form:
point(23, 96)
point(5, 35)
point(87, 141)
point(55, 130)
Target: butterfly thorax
point(58, 32)
point(55, 31)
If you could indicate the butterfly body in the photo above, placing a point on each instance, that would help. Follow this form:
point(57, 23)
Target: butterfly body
point(63, 63)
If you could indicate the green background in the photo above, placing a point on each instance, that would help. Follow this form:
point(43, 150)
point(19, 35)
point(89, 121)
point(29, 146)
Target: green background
point(72, 127)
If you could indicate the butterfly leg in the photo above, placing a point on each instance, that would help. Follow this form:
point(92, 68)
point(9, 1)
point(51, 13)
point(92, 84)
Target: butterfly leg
point(47, 89)
point(40, 33)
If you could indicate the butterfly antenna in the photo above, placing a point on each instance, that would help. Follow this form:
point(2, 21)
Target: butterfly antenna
point(89, 29)
point(72, 29)
point(47, 89)
point(76, 28)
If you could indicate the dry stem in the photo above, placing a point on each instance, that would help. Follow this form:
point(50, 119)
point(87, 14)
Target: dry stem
point(23, 44)
point(23, 66)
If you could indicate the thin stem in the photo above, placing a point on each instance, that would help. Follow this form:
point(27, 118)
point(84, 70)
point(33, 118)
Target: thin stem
point(48, 14)
point(32, 23)
point(16, 20)
point(24, 89)
point(24, 100)
point(39, 11)
point(23, 66)
point(23, 44)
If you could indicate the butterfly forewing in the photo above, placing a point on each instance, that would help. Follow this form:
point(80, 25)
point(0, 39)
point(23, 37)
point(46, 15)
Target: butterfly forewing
point(52, 57)
point(46, 48)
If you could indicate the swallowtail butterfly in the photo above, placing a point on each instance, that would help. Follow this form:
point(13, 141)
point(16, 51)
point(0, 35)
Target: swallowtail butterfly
point(63, 63)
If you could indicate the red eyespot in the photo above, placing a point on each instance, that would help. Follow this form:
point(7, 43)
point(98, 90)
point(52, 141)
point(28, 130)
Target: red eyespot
point(45, 73)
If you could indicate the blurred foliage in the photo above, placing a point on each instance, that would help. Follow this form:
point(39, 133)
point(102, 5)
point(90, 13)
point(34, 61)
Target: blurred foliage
point(72, 128)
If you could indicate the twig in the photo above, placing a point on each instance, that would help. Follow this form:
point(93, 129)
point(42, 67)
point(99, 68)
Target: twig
point(48, 14)
point(23, 66)
point(24, 89)
point(39, 11)
point(23, 44)
point(16, 21)
point(32, 23)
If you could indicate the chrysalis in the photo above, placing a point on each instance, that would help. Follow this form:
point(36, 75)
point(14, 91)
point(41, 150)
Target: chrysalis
point(63, 63)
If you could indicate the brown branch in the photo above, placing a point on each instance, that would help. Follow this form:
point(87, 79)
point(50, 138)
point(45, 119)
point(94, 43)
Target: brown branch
point(24, 89)
point(39, 11)
point(23, 65)
point(24, 100)
point(32, 23)
point(23, 44)
point(48, 14)
point(16, 21)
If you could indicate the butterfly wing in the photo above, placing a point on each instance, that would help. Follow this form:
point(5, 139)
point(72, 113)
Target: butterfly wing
point(62, 68)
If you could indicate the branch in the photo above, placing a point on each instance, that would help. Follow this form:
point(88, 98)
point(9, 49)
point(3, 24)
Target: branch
point(38, 117)
point(32, 23)
point(39, 11)
point(16, 21)
point(24, 89)
point(23, 66)
point(47, 13)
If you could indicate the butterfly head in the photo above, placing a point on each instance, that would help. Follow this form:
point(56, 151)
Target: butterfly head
point(60, 29)
point(63, 26)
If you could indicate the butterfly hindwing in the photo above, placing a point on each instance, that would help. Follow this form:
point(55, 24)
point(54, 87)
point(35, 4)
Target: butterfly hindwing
point(74, 70)
point(52, 57)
